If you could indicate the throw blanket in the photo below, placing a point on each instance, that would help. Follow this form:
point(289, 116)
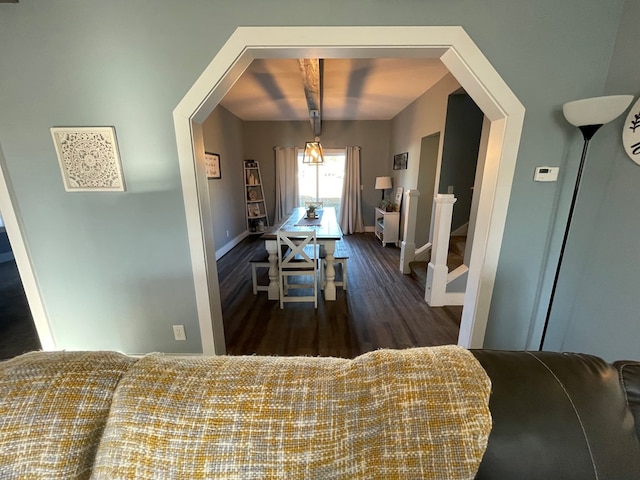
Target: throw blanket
point(410, 414)
point(53, 409)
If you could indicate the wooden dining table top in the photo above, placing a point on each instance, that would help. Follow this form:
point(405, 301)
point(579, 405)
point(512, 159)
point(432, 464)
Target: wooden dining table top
point(326, 226)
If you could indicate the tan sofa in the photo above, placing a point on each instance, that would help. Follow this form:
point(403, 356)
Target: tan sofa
point(417, 413)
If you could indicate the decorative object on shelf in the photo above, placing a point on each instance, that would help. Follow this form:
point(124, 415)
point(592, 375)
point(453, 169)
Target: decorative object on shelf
point(386, 205)
point(382, 183)
point(400, 161)
point(253, 210)
point(631, 133)
point(88, 158)
point(313, 153)
point(253, 194)
point(212, 165)
point(588, 115)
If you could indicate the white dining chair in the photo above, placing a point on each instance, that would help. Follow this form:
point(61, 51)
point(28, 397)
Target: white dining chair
point(317, 205)
point(298, 257)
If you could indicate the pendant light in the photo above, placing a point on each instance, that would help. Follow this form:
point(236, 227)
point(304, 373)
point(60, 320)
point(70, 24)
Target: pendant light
point(313, 154)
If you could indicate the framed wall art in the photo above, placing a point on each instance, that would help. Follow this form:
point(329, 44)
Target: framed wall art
point(88, 158)
point(400, 161)
point(212, 165)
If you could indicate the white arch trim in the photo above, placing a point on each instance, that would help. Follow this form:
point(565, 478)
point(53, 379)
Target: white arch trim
point(461, 56)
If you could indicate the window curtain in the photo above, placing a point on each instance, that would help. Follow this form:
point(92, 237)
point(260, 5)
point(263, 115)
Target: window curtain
point(351, 208)
point(286, 181)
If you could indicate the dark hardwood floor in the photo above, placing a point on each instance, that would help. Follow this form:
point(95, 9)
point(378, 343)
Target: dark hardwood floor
point(381, 308)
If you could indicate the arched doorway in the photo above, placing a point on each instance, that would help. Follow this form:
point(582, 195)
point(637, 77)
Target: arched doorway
point(504, 118)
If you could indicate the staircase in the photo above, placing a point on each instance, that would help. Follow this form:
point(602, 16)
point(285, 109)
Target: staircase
point(457, 243)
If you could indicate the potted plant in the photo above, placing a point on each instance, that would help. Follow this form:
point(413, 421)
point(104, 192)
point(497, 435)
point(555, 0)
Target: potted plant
point(311, 211)
point(386, 205)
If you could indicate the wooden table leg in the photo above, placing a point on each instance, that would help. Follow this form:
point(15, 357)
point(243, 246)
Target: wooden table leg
point(274, 287)
point(330, 272)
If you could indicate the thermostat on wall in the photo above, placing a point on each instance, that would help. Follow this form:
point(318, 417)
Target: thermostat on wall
point(546, 174)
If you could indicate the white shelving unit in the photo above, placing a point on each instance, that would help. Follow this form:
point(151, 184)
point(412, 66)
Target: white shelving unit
point(386, 226)
point(256, 208)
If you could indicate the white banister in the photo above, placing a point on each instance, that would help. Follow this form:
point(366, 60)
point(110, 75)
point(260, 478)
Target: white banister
point(423, 253)
point(457, 273)
point(438, 272)
point(408, 245)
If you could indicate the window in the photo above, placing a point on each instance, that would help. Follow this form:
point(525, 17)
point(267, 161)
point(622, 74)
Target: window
point(322, 182)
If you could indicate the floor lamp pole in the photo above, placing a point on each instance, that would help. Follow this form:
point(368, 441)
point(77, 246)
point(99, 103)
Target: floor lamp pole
point(587, 131)
point(588, 114)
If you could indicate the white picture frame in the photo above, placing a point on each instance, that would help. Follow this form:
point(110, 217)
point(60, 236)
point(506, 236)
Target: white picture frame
point(399, 193)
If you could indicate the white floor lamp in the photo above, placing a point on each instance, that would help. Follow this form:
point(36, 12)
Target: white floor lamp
point(588, 115)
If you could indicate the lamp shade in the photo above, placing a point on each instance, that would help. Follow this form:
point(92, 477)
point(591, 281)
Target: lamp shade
point(382, 183)
point(313, 153)
point(595, 111)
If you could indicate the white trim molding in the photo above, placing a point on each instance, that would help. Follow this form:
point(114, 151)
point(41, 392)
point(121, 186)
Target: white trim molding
point(13, 225)
point(452, 45)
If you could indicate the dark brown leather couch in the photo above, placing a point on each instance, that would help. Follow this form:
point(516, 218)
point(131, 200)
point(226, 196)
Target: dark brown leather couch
point(561, 416)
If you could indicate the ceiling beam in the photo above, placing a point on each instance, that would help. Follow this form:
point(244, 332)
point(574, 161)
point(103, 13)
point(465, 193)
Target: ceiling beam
point(311, 69)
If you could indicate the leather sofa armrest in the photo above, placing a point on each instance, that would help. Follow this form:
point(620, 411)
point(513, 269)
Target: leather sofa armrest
point(557, 415)
point(629, 372)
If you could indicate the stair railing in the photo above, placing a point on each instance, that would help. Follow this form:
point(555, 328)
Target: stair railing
point(438, 275)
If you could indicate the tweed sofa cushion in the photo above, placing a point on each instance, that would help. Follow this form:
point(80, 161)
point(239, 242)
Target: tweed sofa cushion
point(53, 408)
point(417, 413)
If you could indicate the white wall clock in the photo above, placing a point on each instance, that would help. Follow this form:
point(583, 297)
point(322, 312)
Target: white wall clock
point(631, 133)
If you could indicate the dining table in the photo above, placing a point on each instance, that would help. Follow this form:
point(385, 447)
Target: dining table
point(328, 232)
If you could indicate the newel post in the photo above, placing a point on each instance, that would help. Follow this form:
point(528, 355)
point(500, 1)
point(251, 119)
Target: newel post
point(437, 270)
point(408, 245)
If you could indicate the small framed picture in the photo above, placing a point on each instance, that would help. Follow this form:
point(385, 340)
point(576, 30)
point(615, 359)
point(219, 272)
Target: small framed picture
point(400, 161)
point(212, 165)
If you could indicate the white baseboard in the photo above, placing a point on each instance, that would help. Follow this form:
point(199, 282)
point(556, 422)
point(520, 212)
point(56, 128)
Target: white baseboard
point(369, 229)
point(229, 245)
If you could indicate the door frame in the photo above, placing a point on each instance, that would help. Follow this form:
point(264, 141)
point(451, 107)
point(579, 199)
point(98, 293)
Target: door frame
point(14, 228)
point(452, 45)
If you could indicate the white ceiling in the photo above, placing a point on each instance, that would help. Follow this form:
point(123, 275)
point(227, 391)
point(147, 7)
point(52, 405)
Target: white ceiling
point(353, 89)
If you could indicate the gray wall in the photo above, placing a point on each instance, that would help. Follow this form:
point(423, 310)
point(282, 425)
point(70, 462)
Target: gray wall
point(371, 136)
point(424, 117)
point(223, 135)
point(460, 154)
point(114, 268)
point(598, 305)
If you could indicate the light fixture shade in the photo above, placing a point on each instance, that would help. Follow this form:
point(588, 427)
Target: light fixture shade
point(595, 111)
point(313, 154)
point(383, 183)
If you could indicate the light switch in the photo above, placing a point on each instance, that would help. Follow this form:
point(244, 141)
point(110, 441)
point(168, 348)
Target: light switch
point(546, 174)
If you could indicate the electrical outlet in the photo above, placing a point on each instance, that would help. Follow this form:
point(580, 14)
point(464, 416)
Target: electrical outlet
point(179, 333)
point(227, 233)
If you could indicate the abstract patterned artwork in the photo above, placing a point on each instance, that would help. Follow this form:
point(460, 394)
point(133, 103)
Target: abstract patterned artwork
point(88, 158)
